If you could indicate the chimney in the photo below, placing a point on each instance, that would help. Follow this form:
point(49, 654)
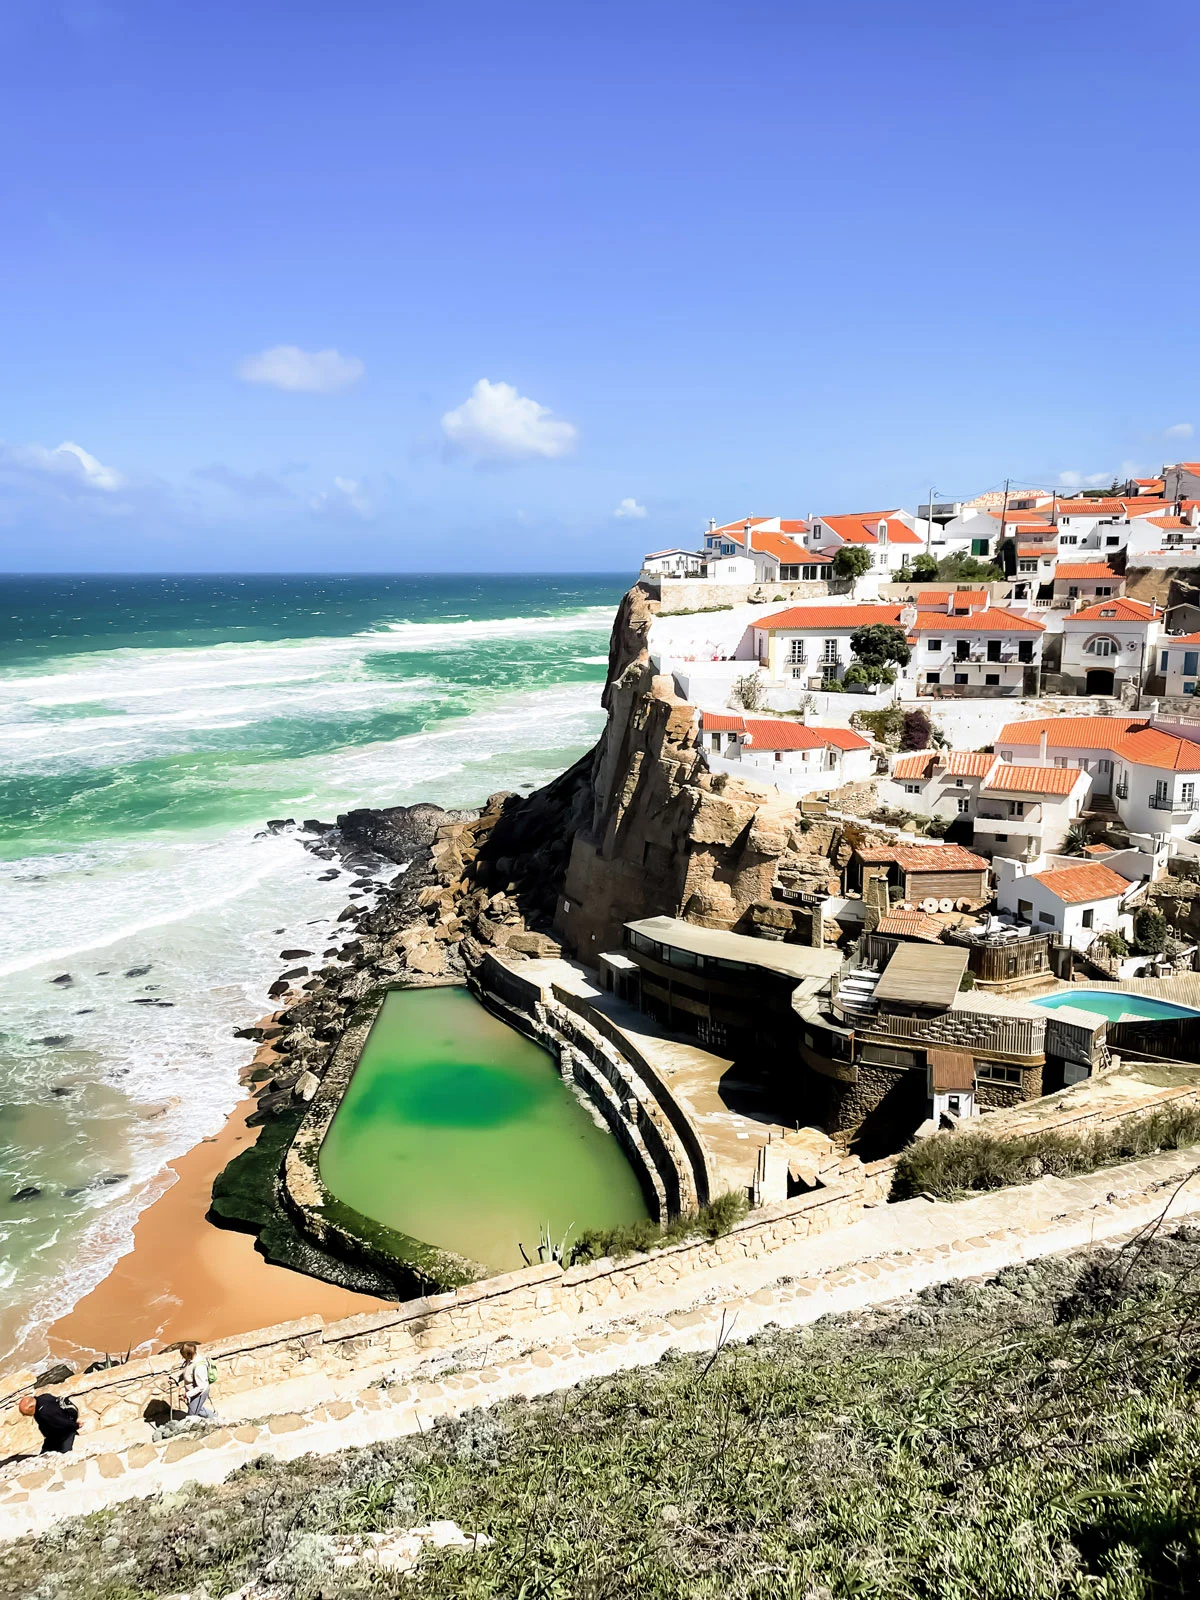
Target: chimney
point(747, 535)
point(1043, 741)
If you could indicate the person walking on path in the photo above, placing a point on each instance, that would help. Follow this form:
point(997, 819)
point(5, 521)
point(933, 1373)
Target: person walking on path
point(57, 1421)
point(194, 1382)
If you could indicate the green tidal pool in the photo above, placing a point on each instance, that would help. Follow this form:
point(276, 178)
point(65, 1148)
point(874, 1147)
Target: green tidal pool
point(457, 1130)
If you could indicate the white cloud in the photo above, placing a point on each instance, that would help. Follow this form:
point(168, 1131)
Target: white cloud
point(1178, 430)
point(68, 462)
point(496, 423)
point(629, 508)
point(1079, 480)
point(345, 499)
point(286, 366)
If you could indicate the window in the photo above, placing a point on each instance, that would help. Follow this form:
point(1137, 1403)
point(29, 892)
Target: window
point(1006, 755)
point(1069, 538)
point(960, 677)
point(980, 547)
point(1087, 918)
point(996, 1072)
point(964, 804)
point(1162, 661)
point(1102, 647)
point(831, 652)
point(933, 677)
point(1049, 918)
point(1060, 761)
point(1001, 838)
point(1191, 660)
point(1025, 909)
point(993, 652)
point(886, 1055)
point(1025, 650)
point(962, 649)
point(912, 788)
point(810, 574)
point(933, 644)
point(1189, 688)
point(1073, 591)
point(958, 783)
point(1018, 809)
point(1105, 764)
point(1104, 591)
point(716, 740)
point(1113, 538)
point(992, 677)
point(796, 652)
point(1187, 796)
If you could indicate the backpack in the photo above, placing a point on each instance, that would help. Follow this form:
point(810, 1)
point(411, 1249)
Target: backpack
point(212, 1371)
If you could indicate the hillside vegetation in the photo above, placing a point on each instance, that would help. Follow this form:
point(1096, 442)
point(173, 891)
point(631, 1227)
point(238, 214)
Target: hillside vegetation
point(1037, 1435)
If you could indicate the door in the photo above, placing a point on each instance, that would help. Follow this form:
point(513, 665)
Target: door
point(1100, 680)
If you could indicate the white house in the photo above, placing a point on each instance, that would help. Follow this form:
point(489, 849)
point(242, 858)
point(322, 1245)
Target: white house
point(810, 644)
point(1025, 812)
point(1110, 644)
point(936, 783)
point(1152, 772)
point(673, 563)
point(762, 550)
point(1157, 780)
point(789, 754)
point(1077, 902)
point(1179, 663)
point(1085, 743)
point(1175, 529)
point(887, 536)
point(1020, 811)
point(1086, 581)
point(991, 652)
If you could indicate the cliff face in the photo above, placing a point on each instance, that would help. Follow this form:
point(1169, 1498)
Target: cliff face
point(665, 836)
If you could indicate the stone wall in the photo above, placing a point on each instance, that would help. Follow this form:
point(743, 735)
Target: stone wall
point(117, 1405)
point(698, 594)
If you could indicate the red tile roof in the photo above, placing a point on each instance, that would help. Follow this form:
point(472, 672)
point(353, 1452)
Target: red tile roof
point(786, 551)
point(1150, 483)
point(901, 533)
point(845, 739)
point(1151, 747)
point(768, 734)
point(1097, 849)
point(911, 925)
point(1081, 733)
point(1116, 609)
point(1172, 522)
point(955, 763)
point(826, 617)
point(994, 620)
point(933, 599)
point(1035, 780)
point(859, 527)
point(720, 722)
point(915, 766)
point(1072, 885)
point(1189, 466)
point(924, 857)
point(1182, 638)
point(1084, 569)
point(1090, 508)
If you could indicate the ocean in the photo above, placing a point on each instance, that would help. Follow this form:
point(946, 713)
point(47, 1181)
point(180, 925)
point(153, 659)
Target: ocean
point(149, 727)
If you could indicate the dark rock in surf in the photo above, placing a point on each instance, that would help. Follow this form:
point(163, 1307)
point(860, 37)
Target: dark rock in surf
point(29, 1192)
point(63, 979)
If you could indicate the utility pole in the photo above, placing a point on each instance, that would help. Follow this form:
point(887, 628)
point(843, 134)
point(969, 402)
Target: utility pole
point(929, 522)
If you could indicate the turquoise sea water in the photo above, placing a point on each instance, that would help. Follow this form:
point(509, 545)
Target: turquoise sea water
point(1112, 1004)
point(148, 729)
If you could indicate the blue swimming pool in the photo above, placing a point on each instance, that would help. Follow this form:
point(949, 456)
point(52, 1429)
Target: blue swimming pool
point(1113, 1004)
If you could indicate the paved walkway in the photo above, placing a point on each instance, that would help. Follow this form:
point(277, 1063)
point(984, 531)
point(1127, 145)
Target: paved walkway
point(894, 1251)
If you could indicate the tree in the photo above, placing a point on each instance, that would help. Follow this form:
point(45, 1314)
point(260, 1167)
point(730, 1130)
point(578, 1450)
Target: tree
point(925, 567)
point(966, 568)
point(1149, 932)
point(748, 691)
point(880, 644)
point(851, 561)
point(918, 731)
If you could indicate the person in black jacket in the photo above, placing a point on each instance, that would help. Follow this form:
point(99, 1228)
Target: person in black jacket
point(57, 1421)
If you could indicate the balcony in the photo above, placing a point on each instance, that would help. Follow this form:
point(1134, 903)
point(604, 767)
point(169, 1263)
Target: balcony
point(1122, 789)
point(1164, 802)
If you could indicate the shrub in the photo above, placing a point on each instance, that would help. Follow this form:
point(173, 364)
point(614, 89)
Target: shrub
point(1115, 943)
point(712, 1220)
point(748, 691)
point(967, 981)
point(918, 731)
point(1149, 932)
point(859, 672)
point(948, 1163)
point(880, 644)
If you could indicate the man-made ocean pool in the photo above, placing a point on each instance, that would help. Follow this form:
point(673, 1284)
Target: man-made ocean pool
point(1113, 1004)
point(458, 1131)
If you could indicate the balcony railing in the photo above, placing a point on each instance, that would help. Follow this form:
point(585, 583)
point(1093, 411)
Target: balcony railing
point(1122, 789)
point(1164, 802)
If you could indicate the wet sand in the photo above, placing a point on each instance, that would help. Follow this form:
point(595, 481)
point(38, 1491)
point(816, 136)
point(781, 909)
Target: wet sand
point(186, 1278)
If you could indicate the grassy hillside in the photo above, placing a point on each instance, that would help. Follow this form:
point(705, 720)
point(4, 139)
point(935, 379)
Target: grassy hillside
point(1034, 1436)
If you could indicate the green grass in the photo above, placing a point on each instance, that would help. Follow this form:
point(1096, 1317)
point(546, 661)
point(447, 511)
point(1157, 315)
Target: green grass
point(949, 1164)
point(1030, 1438)
point(712, 1220)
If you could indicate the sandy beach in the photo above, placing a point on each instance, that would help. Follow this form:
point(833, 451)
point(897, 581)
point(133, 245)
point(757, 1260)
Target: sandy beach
point(186, 1278)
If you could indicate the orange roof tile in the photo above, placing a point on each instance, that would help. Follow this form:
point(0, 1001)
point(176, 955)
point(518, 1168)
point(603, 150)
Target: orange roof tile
point(1182, 638)
point(786, 551)
point(994, 620)
point(924, 857)
point(721, 722)
point(1090, 508)
point(1084, 569)
point(911, 925)
point(1150, 483)
point(1117, 609)
point(859, 527)
point(1081, 733)
point(935, 599)
point(770, 734)
point(1035, 780)
point(1151, 747)
point(1098, 850)
point(845, 739)
point(914, 766)
point(1172, 522)
point(1075, 884)
point(826, 617)
point(1189, 466)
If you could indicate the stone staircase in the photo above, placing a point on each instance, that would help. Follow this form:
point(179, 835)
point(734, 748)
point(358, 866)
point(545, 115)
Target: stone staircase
point(856, 994)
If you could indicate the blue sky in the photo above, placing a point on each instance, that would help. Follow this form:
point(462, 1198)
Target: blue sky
point(377, 285)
